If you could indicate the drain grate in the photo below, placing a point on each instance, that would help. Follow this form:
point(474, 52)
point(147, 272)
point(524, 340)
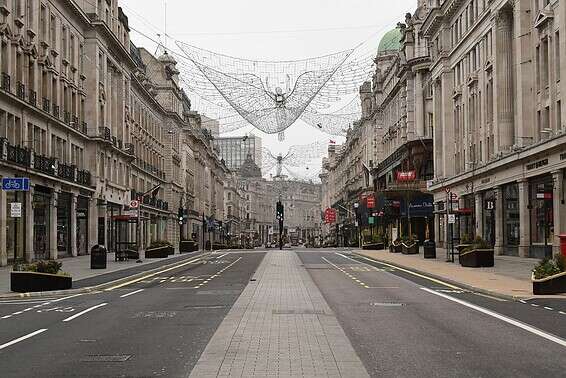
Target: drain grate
point(155, 314)
point(386, 304)
point(107, 358)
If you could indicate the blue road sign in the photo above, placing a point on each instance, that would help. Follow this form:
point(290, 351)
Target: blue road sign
point(15, 183)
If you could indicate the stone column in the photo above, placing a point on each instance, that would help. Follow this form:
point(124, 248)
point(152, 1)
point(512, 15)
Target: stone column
point(3, 252)
point(438, 135)
point(73, 230)
point(478, 196)
point(504, 78)
point(524, 218)
point(53, 226)
point(419, 105)
point(28, 238)
point(499, 221)
point(92, 223)
point(447, 122)
point(559, 209)
point(437, 221)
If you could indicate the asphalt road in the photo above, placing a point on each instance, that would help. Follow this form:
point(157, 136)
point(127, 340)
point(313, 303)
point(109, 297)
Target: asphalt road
point(157, 326)
point(400, 324)
point(403, 325)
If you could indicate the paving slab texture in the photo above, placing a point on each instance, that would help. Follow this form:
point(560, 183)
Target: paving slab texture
point(280, 326)
point(511, 276)
point(79, 268)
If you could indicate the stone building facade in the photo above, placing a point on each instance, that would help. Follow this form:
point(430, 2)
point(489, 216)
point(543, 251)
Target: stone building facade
point(93, 122)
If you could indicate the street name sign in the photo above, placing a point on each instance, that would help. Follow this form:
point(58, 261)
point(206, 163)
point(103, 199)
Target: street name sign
point(15, 184)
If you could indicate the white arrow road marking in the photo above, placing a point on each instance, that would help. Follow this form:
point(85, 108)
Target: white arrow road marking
point(504, 318)
point(22, 338)
point(84, 312)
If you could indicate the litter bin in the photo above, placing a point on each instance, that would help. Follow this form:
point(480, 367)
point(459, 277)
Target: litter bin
point(98, 255)
point(429, 249)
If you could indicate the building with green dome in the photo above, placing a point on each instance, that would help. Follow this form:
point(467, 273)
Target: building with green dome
point(391, 41)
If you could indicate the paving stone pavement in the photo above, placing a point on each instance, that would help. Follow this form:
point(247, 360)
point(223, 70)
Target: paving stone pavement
point(280, 326)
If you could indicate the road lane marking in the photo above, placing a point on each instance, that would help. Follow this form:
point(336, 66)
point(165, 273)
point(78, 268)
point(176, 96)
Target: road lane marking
point(548, 308)
point(84, 312)
point(221, 256)
point(153, 274)
point(346, 273)
point(6, 317)
point(504, 318)
point(132, 293)
point(22, 338)
point(411, 272)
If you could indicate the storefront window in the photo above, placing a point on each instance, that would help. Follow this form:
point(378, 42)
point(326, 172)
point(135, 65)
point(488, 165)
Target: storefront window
point(541, 212)
point(82, 226)
point(489, 216)
point(511, 216)
point(41, 222)
point(15, 227)
point(63, 224)
point(467, 218)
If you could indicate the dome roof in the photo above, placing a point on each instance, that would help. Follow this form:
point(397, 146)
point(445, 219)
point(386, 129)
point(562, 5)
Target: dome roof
point(167, 59)
point(391, 41)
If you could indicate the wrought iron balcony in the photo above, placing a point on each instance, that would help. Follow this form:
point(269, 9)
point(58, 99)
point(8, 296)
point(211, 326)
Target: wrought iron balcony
point(19, 155)
point(114, 141)
point(44, 164)
point(75, 122)
point(165, 205)
point(56, 110)
point(84, 127)
point(32, 97)
point(129, 148)
point(66, 117)
point(21, 90)
point(46, 104)
point(119, 143)
point(104, 133)
point(66, 171)
point(83, 177)
point(6, 82)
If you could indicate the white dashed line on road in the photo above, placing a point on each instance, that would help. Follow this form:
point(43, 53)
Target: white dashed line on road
point(84, 312)
point(132, 293)
point(22, 338)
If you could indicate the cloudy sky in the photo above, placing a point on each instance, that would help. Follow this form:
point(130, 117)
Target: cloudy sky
point(267, 30)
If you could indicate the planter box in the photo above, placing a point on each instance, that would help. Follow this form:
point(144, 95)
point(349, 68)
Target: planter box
point(477, 258)
point(429, 249)
point(158, 252)
point(555, 284)
point(25, 282)
point(373, 246)
point(186, 246)
point(460, 248)
point(395, 248)
point(131, 254)
point(410, 249)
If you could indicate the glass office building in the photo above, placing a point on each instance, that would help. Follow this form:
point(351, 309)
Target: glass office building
point(234, 150)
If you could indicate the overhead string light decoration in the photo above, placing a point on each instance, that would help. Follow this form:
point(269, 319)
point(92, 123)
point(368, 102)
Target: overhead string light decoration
point(298, 156)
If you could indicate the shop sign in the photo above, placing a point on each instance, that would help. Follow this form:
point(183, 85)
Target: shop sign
point(489, 204)
point(371, 220)
point(451, 218)
point(537, 164)
point(131, 213)
point(15, 183)
point(16, 209)
point(370, 202)
point(81, 213)
point(330, 215)
point(406, 175)
point(546, 196)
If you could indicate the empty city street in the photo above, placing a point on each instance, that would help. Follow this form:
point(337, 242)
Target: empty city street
point(295, 312)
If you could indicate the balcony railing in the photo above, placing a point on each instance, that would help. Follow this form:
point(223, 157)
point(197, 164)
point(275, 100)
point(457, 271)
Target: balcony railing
point(21, 90)
point(104, 133)
point(66, 172)
point(83, 177)
point(6, 82)
point(119, 143)
point(45, 104)
point(66, 117)
point(55, 110)
point(129, 148)
point(44, 164)
point(84, 127)
point(19, 155)
point(32, 97)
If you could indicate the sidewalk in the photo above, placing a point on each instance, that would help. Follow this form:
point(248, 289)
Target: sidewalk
point(79, 268)
point(280, 326)
point(510, 277)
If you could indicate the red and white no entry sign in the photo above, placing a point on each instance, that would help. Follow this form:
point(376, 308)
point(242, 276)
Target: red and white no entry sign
point(134, 204)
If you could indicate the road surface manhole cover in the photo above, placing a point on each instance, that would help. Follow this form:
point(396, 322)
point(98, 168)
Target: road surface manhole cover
point(107, 358)
point(386, 304)
point(155, 314)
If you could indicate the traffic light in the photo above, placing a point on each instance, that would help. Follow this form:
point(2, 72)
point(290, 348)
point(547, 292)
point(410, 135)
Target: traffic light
point(280, 212)
point(180, 215)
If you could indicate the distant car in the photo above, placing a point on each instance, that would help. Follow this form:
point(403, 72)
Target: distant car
point(287, 245)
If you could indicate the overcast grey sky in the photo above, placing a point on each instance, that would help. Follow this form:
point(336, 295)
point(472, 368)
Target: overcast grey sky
point(268, 30)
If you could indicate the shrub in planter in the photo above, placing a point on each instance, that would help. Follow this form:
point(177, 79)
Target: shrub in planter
point(396, 246)
point(159, 249)
point(410, 246)
point(478, 254)
point(549, 276)
point(188, 245)
point(43, 275)
point(376, 242)
point(465, 243)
